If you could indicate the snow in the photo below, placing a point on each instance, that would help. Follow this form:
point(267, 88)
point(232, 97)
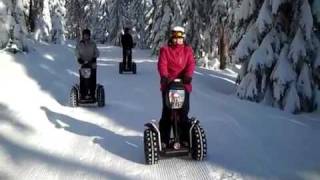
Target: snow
point(4, 29)
point(265, 55)
point(248, 43)
point(3, 8)
point(283, 73)
point(58, 13)
point(268, 99)
point(316, 10)
point(248, 87)
point(264, 20)
point(275, 4)
point(316, 63)
point(306, 21)
point(43, 24)
point(245, 10)
point(257, 60)
point(292, 101)
point(297, 48)
point(304, 85)
point(317, 99)
point(4, 36)
point(41, 137)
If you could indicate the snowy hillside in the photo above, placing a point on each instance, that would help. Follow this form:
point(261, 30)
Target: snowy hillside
point(41, 137)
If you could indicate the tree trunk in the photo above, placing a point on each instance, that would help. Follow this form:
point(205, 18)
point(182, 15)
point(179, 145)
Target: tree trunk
point(31, 23)
point(223, 47)
point(35, 10)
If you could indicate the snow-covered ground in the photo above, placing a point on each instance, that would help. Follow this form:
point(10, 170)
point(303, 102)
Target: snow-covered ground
point(41, 137)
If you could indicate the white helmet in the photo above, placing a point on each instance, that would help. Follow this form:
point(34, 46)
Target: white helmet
point(179, 30)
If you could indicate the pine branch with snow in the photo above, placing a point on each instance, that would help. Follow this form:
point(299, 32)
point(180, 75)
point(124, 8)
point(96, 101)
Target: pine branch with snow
point(291, 101)
point(247, 45)
point(282, 75)
point(305, 88)
point(5, 8)
point(275, 27)
point(264, 20)
point(298, 48)
point(306, 19)
point(248, 87)
point(246, 10)
point(316, 10)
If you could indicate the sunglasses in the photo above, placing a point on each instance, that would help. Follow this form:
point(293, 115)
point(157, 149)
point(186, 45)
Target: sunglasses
point(177, 34)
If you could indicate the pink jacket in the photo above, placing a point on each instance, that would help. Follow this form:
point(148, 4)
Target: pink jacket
point(176, 62)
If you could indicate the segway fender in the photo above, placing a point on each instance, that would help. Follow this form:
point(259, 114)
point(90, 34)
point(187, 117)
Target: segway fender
point(194, 122)
point(152, 125)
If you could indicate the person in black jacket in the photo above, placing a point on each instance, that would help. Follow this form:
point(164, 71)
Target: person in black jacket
point(127, 45)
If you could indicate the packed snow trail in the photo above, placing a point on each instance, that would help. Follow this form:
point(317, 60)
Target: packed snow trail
point(41, 137)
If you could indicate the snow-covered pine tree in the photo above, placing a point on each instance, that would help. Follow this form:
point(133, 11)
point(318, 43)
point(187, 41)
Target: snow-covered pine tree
point(139, 16)
point(58, 12)
point(95, 18)
point(316, 10)
point(13, 26)
point(195, 16)
point(43, 25)
point(220, 28)
point(245, 13)
point(206, 23)
point(166, 14)
point(119, 16)
point(316, 63)
point(19, 26)
point(74, 14)
point(278, 50)
point(5, 22)
point(101, 21)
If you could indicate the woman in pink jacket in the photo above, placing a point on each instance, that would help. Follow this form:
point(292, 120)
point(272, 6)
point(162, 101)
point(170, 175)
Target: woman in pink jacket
point(176, 60)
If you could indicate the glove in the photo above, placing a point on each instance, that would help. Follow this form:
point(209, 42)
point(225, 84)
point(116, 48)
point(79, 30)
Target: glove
point(164, 80)
point(186, 80)
point(93, 63)
point(80, 61)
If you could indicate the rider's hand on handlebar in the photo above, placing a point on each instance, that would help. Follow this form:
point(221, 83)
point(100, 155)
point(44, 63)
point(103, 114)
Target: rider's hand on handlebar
point(80, 61)
point(186, 80)
point(164, 80)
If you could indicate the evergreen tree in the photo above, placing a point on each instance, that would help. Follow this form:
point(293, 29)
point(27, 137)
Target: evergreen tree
point(139, 14)
point(277, 52)
point(13, 26)
point(43, 24)
point(58, 13)
point(166, 14)
point(120, 20)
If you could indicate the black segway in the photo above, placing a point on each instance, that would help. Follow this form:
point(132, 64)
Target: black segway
point(77, 98)
point(196, 146)
point(126, 66)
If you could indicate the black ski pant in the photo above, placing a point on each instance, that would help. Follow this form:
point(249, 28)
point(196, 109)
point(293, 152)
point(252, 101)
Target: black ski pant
point(88, 86)
point(166, 120)
point(127, 57)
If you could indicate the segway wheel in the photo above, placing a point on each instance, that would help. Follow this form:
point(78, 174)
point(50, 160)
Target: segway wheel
point(120, 67)
point(151, 147)
point(199, 143)
point(74, 96)
point(100, 96)
point(134, 68)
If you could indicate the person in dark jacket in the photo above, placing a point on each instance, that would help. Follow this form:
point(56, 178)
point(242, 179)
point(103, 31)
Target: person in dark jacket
point(176, 60)
point(87, 54)
point(127, 45)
